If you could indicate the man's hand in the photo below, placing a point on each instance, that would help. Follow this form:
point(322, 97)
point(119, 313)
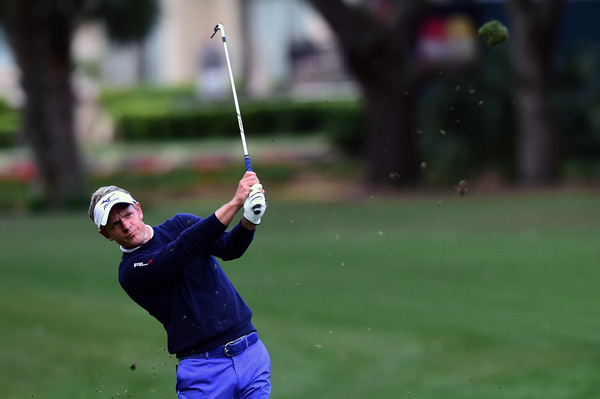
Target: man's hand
point(243, 193)
point(255, 205)
point(244, 188)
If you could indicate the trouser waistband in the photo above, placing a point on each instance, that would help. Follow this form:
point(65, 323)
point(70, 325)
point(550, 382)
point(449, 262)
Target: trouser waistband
point(230, 349)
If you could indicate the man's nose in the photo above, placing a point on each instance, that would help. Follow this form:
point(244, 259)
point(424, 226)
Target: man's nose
point(126, 225)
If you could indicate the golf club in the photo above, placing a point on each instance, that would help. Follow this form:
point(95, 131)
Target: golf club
point(219, 27)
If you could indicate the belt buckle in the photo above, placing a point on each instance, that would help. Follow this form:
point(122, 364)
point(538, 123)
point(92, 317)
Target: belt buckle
point(226, 348)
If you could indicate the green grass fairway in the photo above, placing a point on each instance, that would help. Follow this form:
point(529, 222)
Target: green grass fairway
point(409, 297)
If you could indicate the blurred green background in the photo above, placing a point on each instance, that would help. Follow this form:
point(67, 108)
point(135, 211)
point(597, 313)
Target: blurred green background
point(416, 296)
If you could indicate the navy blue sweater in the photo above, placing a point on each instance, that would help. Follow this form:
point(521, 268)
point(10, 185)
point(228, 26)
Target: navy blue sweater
point(175, 277)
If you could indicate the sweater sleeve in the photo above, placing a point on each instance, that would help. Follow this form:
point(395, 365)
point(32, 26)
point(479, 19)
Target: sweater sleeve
point(233, 244)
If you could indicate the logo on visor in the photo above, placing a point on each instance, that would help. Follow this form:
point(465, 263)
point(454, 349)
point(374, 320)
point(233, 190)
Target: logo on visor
point(107, 201)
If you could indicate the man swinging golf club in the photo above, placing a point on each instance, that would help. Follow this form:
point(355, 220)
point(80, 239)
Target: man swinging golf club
point(170, 270)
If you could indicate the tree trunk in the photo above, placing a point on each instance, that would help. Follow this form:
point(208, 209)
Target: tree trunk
point(379, 56)
point(40, 37)
point(533, 40)
point(390, 148)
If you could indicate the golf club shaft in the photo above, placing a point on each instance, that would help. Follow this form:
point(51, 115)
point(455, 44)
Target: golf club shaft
point(220, 28)
point(256, 208)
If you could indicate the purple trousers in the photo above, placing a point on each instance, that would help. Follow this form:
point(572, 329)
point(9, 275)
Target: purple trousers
point(246, 375)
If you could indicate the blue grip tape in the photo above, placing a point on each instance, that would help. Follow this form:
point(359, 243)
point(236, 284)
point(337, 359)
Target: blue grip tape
point(248, 166)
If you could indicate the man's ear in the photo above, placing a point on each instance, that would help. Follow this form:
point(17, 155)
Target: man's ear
point(138, 207)
point(105, 234)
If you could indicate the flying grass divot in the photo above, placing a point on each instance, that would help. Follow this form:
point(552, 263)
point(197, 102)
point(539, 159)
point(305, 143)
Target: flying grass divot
point(494, 33)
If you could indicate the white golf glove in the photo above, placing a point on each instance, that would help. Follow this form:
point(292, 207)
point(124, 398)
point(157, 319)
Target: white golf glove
point(255, 205)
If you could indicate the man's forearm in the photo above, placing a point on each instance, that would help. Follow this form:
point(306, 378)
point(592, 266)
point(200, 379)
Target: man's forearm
point(227, 212)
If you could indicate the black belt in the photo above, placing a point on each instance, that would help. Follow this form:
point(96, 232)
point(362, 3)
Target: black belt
point(230, 349)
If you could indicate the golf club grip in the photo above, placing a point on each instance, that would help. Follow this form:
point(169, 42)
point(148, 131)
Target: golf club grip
point(248, 165)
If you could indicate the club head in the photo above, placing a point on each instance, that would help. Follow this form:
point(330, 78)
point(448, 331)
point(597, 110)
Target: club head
point(219, 27)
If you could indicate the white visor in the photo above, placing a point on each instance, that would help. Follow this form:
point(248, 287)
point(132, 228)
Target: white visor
point(103, 207)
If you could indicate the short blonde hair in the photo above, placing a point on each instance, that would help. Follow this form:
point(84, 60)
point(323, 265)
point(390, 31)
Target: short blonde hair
point(98, 194)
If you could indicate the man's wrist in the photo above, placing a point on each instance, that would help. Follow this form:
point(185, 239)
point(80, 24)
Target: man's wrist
point(248, 224)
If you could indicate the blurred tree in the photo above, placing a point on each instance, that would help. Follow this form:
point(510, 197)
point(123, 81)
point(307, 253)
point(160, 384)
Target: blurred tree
point(40, 33)
point(534, 31)
point(379, 54)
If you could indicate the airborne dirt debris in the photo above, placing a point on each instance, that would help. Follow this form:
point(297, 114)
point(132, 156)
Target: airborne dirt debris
point(462, 188)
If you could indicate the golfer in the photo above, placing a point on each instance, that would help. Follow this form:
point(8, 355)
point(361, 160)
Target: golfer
point(170, 270)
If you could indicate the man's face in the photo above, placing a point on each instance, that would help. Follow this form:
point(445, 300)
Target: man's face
point(125, 226)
